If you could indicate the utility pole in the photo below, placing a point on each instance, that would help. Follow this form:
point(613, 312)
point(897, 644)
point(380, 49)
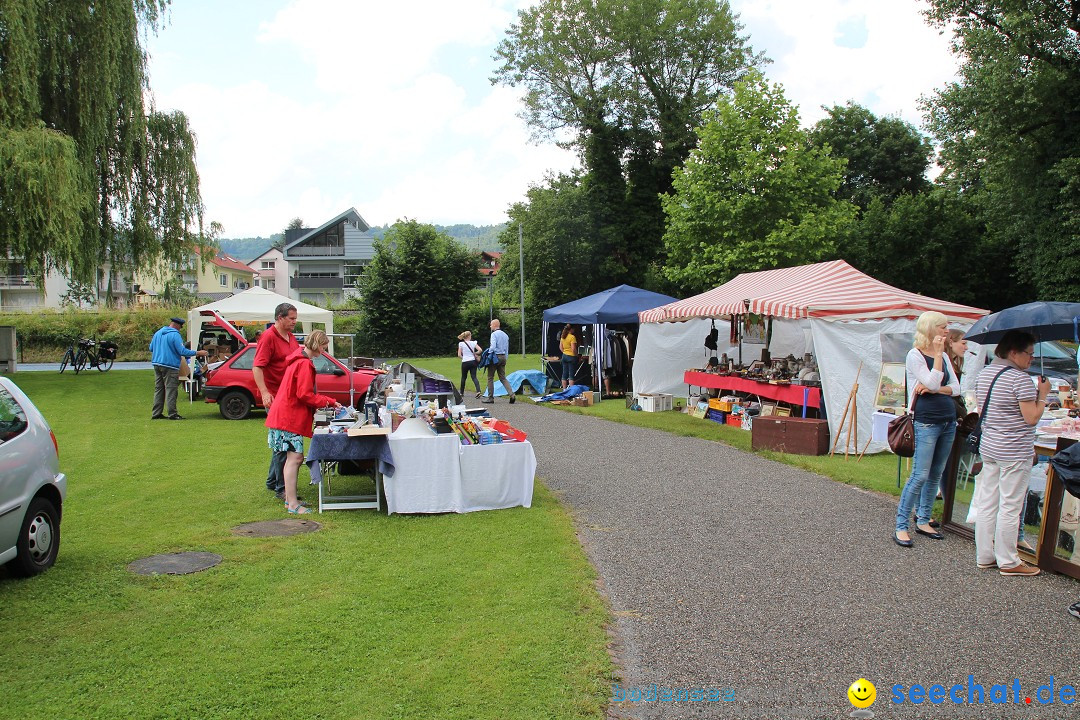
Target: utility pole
point(521, 278)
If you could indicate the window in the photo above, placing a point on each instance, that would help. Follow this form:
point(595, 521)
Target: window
point(12, 417)
point(269, 284)
point(323, 366)
point(353, 272)
point(246, 361)
point(224, 280)
point(268, 264)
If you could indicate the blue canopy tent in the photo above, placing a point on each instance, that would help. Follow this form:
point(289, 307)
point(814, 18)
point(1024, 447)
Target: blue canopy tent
point(616, 306)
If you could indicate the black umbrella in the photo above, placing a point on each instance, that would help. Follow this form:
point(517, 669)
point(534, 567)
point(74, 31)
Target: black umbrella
point(1044, 320)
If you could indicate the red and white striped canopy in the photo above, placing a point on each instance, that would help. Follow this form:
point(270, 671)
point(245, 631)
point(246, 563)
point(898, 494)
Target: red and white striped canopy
point(832, 290)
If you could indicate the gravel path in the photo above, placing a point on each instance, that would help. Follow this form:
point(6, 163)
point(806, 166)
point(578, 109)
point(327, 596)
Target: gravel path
point(726, 570)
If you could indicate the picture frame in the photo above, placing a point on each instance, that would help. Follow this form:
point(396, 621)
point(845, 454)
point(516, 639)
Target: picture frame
point(767, 409)
point(891, 393)
point(782, 412)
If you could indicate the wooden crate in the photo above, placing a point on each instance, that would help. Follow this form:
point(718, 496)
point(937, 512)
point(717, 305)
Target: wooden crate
point(798, 436)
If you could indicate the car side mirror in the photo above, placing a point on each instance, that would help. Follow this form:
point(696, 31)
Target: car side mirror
point(338, 372)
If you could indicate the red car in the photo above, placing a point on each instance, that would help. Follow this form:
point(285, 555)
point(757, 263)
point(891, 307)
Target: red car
point(232, 384)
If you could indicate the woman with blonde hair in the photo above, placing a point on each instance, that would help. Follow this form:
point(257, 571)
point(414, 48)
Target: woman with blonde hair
point(293, 410)
point(469, 352)
point(932, 384)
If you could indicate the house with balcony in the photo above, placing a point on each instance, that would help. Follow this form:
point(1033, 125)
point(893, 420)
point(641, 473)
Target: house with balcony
point(325, 262)
point(271, 271)
point(220, 276)
point(19, 292)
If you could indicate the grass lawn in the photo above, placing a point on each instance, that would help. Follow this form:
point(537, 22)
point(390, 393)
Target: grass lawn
point(484, 615)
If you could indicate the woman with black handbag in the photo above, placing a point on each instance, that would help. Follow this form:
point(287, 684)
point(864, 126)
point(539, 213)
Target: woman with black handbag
point(935, 384)
point(1010, 408)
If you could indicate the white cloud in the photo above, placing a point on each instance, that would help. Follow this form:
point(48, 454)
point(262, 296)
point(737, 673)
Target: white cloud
point(386, 107)
point(902, 59)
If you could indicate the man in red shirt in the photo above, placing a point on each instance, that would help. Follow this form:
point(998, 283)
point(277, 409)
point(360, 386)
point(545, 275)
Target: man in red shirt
point(275, 346)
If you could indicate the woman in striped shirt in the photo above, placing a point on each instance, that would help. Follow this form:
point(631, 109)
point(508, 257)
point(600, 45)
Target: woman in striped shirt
point(1007, 448)
point(932, 385)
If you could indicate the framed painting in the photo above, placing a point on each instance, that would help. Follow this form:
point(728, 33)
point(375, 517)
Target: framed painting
point(891, 396)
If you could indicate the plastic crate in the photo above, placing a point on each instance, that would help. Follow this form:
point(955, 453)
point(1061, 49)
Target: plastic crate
point(717, 416)
point(655, 402)
point(734, 420)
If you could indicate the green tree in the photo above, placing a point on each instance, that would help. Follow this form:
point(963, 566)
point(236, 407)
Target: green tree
point(1010, 130)
point(412, 291)
point(88, 172)
point(624, 82)
point(756, 194)
point(885, 156)
point(294, 224)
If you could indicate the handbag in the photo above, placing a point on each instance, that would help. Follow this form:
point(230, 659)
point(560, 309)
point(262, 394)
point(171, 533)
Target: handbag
point(901, 433)
point(1066, 464)
point(974, 439)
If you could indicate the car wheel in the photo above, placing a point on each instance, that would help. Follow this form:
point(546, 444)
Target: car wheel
point(39, 539)
point(235, 405)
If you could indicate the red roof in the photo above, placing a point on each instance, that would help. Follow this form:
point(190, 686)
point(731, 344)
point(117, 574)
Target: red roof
point(228, 261)
point(833, 290)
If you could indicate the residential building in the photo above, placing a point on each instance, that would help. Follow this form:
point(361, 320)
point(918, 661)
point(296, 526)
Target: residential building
point(19, 292)
point(325, 262)
point(272, 271)
point(221, 276)
point(489, 268)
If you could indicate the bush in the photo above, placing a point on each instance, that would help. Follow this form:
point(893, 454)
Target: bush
point(43, 336)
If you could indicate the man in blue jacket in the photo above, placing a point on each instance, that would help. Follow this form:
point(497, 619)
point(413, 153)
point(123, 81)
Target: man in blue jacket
point(166, 349)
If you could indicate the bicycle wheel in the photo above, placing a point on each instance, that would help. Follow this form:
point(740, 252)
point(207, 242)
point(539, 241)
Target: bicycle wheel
point(104, 364)
point(80, 362)
point(69, 357)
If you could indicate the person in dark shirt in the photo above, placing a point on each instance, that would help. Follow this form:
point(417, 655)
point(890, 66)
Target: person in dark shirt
point(932, 385)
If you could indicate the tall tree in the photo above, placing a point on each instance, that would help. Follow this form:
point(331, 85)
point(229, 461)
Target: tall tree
point(88, 172)
point(1010, 129)
point(412, 290)
point(625, 82)
point(295, 224)
point(885, 156)
point(756, 194)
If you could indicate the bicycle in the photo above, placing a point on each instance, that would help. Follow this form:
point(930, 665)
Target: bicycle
point(69, 358)
point(93, 354)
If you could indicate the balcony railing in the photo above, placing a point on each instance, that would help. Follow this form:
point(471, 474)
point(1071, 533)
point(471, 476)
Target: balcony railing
point(315, 283)
point(15, 281)
point(317, 251)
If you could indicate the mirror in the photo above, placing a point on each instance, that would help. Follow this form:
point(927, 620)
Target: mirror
point(1067, 545)
point(968, 468)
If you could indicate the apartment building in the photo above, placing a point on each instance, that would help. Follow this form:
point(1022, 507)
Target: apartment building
point(325, 262)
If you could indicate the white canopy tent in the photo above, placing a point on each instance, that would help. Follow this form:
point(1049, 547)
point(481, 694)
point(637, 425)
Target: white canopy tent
point(257, 304)
point(829, 308)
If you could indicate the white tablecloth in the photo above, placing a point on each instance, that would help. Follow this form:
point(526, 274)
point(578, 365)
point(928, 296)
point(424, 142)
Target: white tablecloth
point(436, 473)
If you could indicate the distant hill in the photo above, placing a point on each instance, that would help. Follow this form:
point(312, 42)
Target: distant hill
point(474, 237)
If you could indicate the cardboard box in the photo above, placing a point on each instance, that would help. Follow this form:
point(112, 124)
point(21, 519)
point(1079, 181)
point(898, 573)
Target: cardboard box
point(798, 436)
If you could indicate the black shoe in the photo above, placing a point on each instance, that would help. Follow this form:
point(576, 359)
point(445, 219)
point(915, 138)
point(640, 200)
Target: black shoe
point(479, 394)
point(1074, 610)
point(931, 535)
point(934, 524)
point(487, 401)
point(511, 399)
point(157, 417)
point(176, 417)
point(902, 543)
point(280, 495)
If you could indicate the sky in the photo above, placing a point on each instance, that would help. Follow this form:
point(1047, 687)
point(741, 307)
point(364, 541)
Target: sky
point(305, 108)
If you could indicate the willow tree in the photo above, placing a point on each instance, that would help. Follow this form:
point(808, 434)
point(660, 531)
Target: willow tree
point(89, 171)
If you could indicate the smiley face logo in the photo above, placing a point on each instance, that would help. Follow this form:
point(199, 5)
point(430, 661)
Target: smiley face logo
point(862, 693)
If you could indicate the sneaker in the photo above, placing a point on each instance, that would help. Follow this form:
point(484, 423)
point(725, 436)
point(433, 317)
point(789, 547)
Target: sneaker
point(1074, 610)
point(157, 417)
point(986, 566)
point(487, 401)
point(511, 399)
point(176, 417)
point(1021, 570)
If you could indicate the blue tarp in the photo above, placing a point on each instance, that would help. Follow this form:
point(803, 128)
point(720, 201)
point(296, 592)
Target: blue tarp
point(570, 392)
point(535, 378)
point(618, 305)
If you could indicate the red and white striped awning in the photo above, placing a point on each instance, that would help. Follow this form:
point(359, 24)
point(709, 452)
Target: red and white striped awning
point(832, 290)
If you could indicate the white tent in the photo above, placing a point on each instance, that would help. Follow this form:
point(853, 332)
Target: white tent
point(831, 309)
point(256, 304)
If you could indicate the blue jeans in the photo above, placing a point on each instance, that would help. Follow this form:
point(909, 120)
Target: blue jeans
point(275, 478)
point(933, 444)
point(568, 367)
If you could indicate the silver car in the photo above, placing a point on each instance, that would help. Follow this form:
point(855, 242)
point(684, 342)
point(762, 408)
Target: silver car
point(32, 488)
